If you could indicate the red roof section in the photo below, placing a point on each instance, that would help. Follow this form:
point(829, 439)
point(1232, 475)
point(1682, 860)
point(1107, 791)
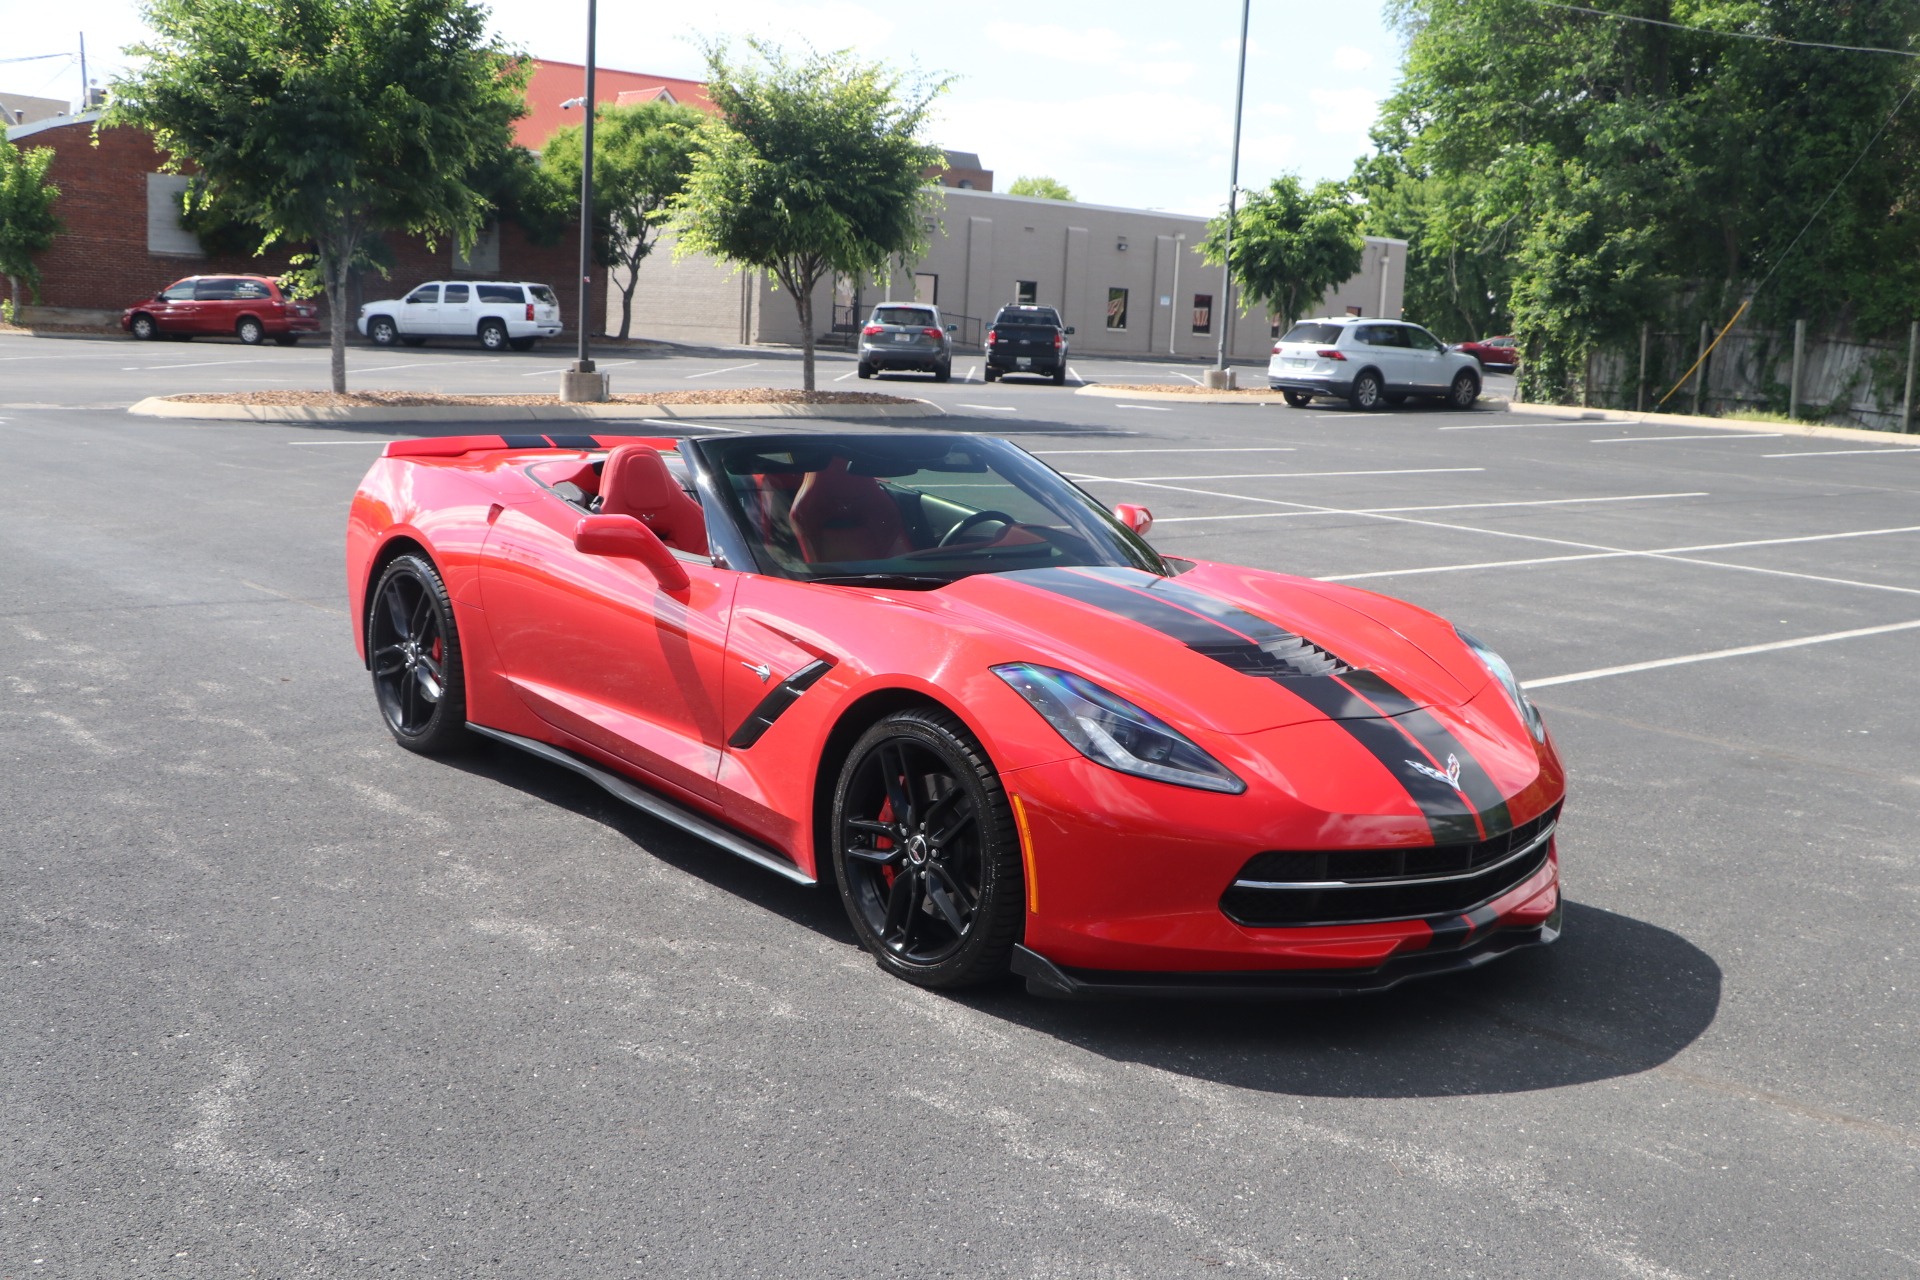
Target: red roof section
point(555, 82)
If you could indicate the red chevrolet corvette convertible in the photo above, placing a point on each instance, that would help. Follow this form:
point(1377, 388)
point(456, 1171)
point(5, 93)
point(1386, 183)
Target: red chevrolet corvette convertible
point(932, 672)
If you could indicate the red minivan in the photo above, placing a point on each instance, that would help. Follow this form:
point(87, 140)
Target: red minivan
point(250, 308)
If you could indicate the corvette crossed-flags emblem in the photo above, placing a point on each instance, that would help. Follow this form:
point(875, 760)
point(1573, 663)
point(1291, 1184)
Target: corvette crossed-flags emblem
point(1451, 777)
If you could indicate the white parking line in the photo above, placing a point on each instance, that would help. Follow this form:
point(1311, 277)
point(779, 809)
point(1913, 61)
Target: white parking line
point(971, 370)
point(1698, 435)
point(1278, 475)
point(1832, 453)
point(682, 424)
point(1451, 506)
point(1616, 555)
point(735, 368)
point(1742, 651)
point(1075, 375)
point(1189, 377)
point(1065, 453)
point(201, 364)
point(1149, 408)
point(1588, 423)
point(992, 408)
point(848, 374)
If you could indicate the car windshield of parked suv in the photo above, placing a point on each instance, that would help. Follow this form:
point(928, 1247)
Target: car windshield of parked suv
point(543, 294)
point(910, 317)
point(1318, 334)
point(1028, 315)
point(911, 511)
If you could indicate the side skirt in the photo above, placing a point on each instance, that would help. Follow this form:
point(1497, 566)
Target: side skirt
point(656, 806)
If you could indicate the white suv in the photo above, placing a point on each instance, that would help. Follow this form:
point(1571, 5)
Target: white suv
point(1368, 363)
point(500, 314)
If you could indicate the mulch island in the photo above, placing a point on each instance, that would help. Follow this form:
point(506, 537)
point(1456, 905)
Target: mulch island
point(413, 399)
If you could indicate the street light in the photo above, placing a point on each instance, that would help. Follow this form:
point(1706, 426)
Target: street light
point(581, 382)
point(1233, 199)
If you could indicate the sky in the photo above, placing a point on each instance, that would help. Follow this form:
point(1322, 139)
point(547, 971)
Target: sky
point(1128, 103)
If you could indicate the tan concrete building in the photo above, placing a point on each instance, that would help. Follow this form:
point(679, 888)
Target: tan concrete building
point(1130, 282)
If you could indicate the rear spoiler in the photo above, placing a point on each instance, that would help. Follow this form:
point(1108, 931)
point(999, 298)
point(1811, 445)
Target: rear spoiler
point(454, 446)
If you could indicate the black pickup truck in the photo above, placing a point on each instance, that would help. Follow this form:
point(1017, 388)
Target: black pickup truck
point(1028, 340)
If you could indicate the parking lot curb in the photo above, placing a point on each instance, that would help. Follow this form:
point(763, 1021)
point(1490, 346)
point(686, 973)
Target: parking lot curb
point(1176, 397)
point(164, 407)
point(1723, 424)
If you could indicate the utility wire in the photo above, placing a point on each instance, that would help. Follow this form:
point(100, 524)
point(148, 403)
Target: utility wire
point(37, 57)
point(1716, 31)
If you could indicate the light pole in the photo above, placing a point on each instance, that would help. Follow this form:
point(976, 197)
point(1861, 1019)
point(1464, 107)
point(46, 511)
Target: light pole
point(581, 382)
point(1220, 375)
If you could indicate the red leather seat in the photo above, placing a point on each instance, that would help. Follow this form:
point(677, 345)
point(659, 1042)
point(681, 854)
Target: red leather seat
point(840, 516)
point(635, 482)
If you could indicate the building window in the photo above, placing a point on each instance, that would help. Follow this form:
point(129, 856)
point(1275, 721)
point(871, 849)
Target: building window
point(484, 260)
point(1116, 308)
point(926, 288)
point(1026, 292)
point(1203, 313)
point(166, 237)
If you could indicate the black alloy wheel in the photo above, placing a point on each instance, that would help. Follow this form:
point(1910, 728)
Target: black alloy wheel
point(250, 331)
point(925, 852)
point(493, 335)
point(1298, 399)
point(381, 332)
point(415, 657)
point(144, 328)
point(1367, 393)
point(1465, 391)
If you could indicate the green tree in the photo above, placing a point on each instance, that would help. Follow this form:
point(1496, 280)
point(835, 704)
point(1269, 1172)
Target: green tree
point(815, 168)
point(1291, 244)
point(27, 224)
point(1040, 185)
point(325, 122)
point(641, 157)
point(1611, 171)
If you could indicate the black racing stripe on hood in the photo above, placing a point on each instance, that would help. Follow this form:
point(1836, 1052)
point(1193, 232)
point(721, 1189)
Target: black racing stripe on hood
point(1207, 625)
point(1409, 743)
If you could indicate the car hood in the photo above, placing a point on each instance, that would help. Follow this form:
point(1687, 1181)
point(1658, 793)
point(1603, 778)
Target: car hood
point(1232, 650)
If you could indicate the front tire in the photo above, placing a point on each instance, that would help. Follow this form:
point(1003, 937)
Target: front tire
point(925, 852)
point(493, 335)
point(250, 331)
point(1368, 392)
point(1298, 399)
point(144, 329)
point(381, 332)
point(414, 652)
point(1465, 391)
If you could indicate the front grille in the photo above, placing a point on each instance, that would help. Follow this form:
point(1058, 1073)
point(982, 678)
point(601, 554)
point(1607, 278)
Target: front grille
point(1354, 886)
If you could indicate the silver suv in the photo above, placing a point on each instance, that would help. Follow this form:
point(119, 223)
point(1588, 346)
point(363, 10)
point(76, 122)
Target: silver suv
point(1369, 363)
point(500, 313)
point(907, 335)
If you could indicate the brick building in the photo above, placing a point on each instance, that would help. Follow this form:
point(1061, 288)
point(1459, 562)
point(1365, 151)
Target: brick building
point(123, 238)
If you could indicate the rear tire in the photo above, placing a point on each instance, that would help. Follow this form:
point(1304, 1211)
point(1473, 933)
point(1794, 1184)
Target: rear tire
point(1368, 393)
point(1465, 391)
point(250, 331)
point(381, 332)
point(865, 370)
point(925, 852)
point(990, 374)
point(493, 335)
point(1298, 399)
point(1060, 376)
point(414, 652)
point(943, 374)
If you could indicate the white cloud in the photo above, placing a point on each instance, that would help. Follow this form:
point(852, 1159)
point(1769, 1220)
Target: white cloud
point(1344, 113)
point(1348, 58)
point(1096, 45)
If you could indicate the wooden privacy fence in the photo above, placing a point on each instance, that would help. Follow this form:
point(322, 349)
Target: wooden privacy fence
point(1841, 379)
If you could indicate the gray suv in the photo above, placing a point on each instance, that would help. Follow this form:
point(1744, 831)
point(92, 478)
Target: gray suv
point(907, 335)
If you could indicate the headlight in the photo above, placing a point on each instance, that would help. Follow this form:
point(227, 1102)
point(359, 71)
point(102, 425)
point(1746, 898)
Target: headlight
point(1111, 731)
point(1493, 662)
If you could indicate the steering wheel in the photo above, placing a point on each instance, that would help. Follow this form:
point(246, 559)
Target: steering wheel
point(953, 535)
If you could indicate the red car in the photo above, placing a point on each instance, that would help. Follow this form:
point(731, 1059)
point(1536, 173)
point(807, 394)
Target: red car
point(250, 308)
point(1492, 353)
point(931, 672)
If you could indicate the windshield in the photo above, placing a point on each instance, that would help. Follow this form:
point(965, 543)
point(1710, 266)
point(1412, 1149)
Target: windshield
point(910, 510)
point(910, 317)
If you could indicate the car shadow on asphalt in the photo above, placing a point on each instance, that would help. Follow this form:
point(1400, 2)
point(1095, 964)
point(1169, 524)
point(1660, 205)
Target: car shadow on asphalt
point(1613, 997)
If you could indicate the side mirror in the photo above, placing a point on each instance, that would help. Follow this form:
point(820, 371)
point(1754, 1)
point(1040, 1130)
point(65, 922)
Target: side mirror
point(626, 538)
point(1069, 329)
point(1135, 517)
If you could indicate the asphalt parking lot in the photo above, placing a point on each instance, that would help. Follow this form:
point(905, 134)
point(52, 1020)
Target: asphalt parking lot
point(282, 999)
